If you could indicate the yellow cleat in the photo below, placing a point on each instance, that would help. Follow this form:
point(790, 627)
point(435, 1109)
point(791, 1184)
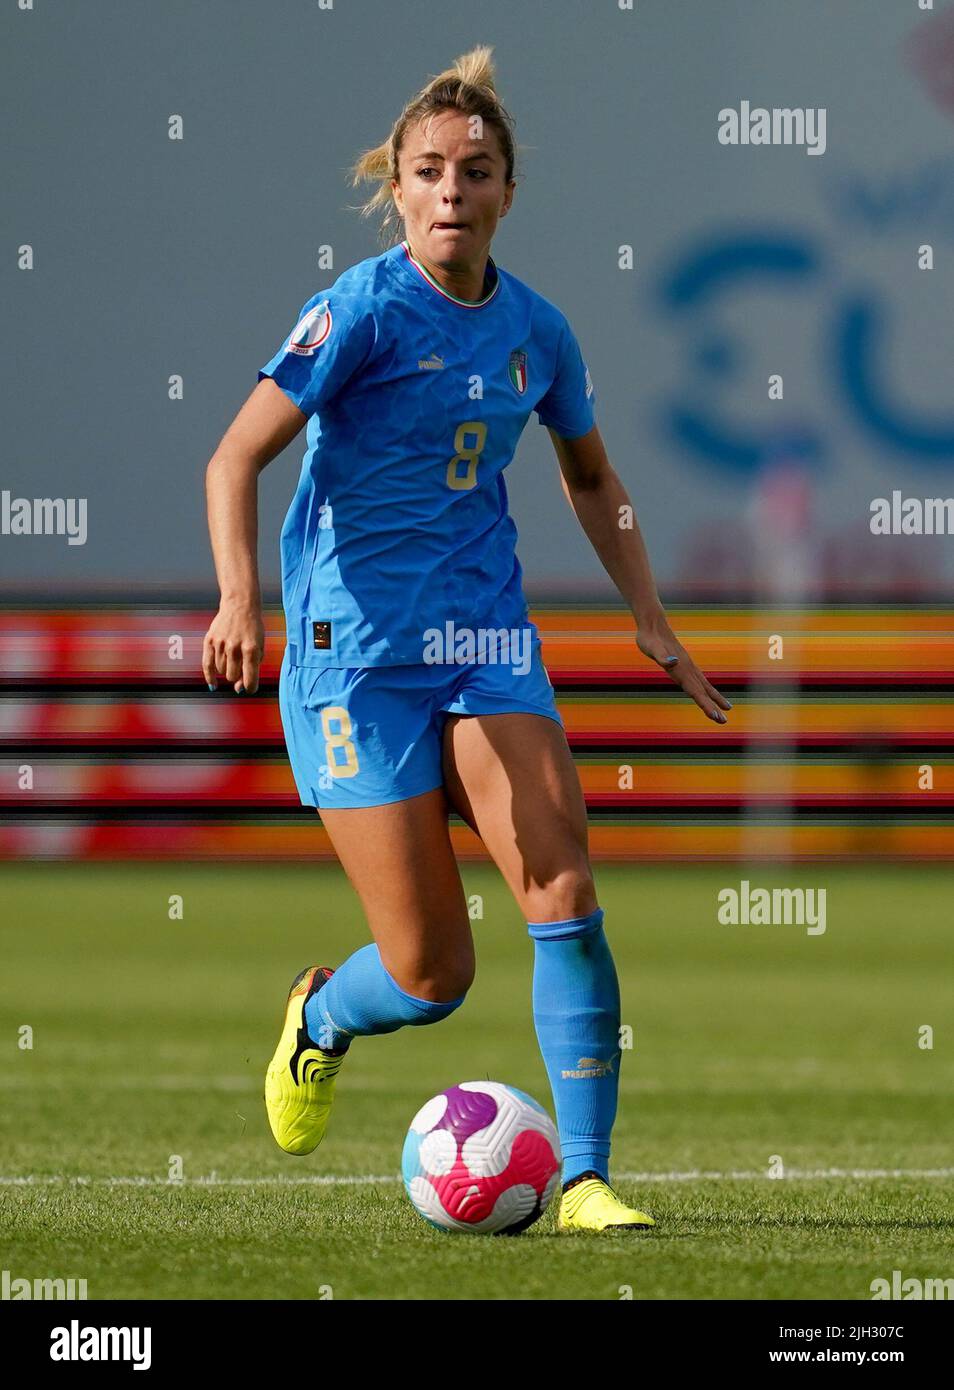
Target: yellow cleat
point(300, 1081)
point(592, 1205)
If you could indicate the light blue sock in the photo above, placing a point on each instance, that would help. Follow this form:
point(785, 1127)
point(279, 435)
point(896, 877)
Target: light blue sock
point(576, 1016)
point(361, 998)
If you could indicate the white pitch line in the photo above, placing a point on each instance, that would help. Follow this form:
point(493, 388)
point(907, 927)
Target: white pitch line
point(790, 1174)
point(363, 1180)
point(212, 1180)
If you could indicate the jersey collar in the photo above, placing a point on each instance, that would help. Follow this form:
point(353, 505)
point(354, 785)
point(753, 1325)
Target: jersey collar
point(414, 266)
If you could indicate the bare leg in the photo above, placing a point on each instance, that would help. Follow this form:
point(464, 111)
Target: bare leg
point(401, 864)
point(512, 778)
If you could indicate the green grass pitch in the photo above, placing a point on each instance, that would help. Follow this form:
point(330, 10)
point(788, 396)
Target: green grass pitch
point(151, 1036)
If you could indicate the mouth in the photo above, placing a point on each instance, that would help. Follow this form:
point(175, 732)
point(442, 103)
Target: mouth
point(449, 227)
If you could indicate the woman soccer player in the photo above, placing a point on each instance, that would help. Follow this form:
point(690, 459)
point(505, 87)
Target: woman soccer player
point(412, 680)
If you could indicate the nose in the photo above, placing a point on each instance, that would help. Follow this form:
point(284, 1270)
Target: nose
point(450, 192)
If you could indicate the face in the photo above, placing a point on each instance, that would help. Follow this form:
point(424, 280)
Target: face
point(447, 176)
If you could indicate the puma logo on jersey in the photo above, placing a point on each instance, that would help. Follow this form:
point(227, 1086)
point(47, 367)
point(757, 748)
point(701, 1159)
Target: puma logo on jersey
point(433, 363)
point(311, 331)
point(589, 382)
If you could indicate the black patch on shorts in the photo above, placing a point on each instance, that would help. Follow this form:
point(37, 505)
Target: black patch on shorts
point(322, 633)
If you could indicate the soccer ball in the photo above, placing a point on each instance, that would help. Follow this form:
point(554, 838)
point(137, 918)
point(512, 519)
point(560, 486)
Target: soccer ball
point(481, 1157)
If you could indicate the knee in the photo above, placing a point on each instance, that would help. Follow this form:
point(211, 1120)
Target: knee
point(438, 982)
point(568, 893)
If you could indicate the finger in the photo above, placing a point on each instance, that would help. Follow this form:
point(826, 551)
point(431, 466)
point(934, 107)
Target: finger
point(674, 667)
point(716, 695)
point(233, 664)
point(694, 686)
point(664, 656)
point(658, 649)
point(208, 664)
point(251, 661)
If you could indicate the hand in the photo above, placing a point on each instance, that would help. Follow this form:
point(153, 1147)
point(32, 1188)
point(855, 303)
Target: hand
point(658, 641)
point(234, 646)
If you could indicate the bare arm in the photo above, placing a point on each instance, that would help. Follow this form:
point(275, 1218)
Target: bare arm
point(235, 642)
point(596, 494)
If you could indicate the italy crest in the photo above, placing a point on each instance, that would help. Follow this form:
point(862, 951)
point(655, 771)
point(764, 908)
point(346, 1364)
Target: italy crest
point(518, 370)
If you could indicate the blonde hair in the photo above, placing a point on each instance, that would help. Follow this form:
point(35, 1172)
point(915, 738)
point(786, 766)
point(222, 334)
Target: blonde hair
point(466, 86)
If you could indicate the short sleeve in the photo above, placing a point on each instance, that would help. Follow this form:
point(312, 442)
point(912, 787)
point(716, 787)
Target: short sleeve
point(567, 407)
point(329, 343)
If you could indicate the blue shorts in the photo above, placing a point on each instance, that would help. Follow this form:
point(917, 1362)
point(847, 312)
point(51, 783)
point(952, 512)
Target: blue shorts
point(365, 736)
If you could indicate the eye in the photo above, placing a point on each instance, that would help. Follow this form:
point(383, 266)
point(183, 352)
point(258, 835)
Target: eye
point(429, 169)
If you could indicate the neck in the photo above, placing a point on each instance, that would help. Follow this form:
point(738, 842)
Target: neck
point(463, 282)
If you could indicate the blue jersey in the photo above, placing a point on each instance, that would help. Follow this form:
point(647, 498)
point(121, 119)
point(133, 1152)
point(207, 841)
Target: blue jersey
point(416, 400)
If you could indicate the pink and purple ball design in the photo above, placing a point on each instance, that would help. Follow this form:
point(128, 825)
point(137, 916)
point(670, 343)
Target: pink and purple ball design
point(481, 1157)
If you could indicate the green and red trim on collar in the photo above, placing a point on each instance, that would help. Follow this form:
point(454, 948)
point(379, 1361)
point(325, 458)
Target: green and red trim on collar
point(464, 303)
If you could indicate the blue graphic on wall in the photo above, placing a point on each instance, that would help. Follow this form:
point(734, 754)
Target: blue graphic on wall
point(859, 335)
